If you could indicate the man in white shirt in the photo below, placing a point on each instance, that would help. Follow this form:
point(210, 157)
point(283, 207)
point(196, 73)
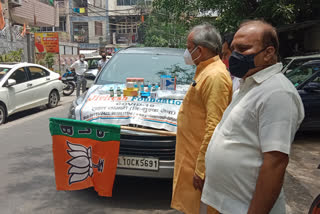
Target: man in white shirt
point(248, 153)
point(80, 66)
point(102, 61)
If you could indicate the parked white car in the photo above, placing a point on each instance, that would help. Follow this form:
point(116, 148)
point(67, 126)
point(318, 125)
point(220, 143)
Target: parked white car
point(92, 72)
point(24, 86)
point(293, 62)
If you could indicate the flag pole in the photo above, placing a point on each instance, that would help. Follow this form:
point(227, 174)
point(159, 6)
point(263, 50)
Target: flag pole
point(165, 133)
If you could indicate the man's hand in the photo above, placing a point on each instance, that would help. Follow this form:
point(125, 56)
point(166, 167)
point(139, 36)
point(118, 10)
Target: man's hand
point(197, 182)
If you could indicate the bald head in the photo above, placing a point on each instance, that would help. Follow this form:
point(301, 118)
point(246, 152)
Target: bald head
point(257, 38)
point(269, 35)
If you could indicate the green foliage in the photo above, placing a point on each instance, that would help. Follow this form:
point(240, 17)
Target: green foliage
point(232, 12)
point(161, 29)
point(49, 59)
point(12, 56)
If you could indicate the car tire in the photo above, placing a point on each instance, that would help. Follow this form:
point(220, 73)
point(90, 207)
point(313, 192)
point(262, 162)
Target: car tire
point(3, 114)
point(53, 99)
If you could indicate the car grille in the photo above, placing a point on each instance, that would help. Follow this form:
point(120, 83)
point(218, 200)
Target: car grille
point(162, 147)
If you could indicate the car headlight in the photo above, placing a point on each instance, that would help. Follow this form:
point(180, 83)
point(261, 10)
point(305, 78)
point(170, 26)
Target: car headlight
point(80, 99)
point(75, 103)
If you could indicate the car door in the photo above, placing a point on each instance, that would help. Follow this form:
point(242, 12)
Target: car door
point(311, 101)
point(20, 95)
point(39, 78)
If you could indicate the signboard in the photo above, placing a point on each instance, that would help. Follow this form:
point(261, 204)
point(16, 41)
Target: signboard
point(46, 42)
point(158, 113)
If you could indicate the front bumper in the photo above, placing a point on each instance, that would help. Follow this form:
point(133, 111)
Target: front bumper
point(165, 171)
point(145, 145)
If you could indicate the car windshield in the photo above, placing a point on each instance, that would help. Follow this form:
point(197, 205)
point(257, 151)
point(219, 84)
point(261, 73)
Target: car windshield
point(302, 73)
point(285, 62)
point(3, 72)
point(93, 63)
point(147, 66)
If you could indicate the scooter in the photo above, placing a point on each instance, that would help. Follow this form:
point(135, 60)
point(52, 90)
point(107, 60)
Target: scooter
point(69, 81)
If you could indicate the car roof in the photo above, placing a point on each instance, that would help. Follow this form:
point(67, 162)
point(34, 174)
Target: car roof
point(19, 64)
point(93, 57)
point(304, 57)
point(152, 50)
point(6, 65)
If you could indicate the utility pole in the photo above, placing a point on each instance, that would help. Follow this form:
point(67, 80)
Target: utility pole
point(29, 44)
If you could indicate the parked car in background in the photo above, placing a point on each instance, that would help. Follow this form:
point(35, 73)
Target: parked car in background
point(306, 78)
point(25, 85)
point(291, 63)
point(138, 147)
point(92, 72)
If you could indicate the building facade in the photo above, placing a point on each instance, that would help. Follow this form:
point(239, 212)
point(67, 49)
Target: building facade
point(89, 23)
point(124, 19)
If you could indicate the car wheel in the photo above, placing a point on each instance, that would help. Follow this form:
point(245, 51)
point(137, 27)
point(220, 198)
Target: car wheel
point(69, 88)
point(3, 114)
point(53, 99)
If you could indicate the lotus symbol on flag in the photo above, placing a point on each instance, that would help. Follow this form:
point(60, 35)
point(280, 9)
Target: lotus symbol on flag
point(81, 166)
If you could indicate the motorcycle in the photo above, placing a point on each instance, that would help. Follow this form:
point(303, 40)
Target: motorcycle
point(69, 81)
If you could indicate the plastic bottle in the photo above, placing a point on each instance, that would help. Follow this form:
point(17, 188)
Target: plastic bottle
point(153, 93)
point(118, 92)
point(111, 92)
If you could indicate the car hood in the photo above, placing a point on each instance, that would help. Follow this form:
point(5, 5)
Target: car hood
point(156, 113)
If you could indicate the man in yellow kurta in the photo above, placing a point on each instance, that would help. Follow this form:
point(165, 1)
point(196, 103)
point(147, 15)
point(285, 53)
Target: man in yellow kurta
point(201, 111)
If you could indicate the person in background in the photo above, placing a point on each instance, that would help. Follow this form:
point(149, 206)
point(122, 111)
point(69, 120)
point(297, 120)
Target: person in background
point(249, 150)
point(80, 67)
point(102, 61)
point(202, 108)
point(226, 53)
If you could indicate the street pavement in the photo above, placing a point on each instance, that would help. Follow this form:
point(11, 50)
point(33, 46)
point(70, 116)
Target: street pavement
point(27, 182)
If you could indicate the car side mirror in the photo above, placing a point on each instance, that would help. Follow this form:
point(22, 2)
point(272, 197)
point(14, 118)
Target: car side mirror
point(11, 82)
point(312, 86)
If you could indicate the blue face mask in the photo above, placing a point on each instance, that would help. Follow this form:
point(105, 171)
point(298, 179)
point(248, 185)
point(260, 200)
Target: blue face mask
point(240, 64)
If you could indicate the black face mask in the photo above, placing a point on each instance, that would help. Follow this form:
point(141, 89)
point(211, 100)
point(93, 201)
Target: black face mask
point(103, 57)
point(240, 64)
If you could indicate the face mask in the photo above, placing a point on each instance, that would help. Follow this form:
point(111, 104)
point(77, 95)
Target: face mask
point(188, 58)
point(240, 64)
point(81, 59)
point(103, 57)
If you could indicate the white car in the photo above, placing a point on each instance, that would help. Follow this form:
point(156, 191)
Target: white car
point(92, 72)
point(24, 86)
point(293, 62)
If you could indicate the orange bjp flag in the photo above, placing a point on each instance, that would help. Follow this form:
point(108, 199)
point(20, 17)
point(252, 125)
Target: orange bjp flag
point(2, 22)
point(85, 154)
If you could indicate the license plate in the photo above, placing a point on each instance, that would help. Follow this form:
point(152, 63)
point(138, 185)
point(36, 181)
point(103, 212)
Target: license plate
point(70, 78)
point(63, 78)
point(138, 163)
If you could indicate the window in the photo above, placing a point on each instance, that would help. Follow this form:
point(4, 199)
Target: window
point(62, 24)
point(297, 62)
point(301, 74)
point(37, 73)
point(80, 32)
point(98, 28)
point(19, 76)
point(126, 2)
